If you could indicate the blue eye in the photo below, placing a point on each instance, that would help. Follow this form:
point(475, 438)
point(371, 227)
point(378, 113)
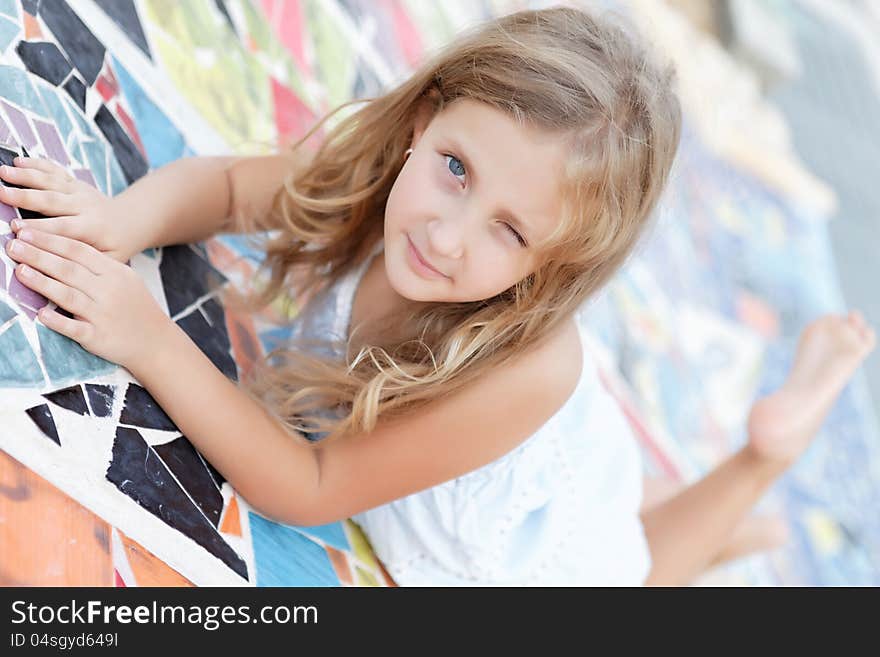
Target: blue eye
point(460, 171)
point(460, 166)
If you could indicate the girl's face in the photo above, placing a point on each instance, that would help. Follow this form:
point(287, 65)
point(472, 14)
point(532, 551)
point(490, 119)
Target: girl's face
point(474, 198)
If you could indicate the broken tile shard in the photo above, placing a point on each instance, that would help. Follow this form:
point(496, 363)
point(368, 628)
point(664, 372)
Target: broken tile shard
point(137, 471)
point(100, 399)
point(141, 410)
point(183, 460)
point(71, 398)
point(42, 417)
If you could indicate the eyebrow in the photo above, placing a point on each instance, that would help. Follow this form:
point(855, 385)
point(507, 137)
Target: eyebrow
point(506, 213)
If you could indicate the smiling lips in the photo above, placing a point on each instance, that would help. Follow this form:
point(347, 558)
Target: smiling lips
point(422, 260)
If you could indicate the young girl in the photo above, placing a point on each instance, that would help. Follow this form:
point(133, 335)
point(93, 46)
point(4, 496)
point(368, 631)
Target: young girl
point(437, 389)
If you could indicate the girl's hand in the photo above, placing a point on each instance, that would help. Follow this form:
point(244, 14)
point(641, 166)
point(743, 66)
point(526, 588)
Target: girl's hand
point(73, 208)
point(115, 316)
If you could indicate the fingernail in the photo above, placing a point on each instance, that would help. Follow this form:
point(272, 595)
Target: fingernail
point(16, 225)
point(25, 235)
point(14, 246)
point(24, 270)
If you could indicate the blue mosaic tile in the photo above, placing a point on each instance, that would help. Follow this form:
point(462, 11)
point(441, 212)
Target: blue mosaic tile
point(9, 30)
point(117, 178)
point(84, 126)
point(56, 110)
point(74, 149)
point(332, 534)
point(6, 313)
point(66, 362)
point(165, 142)
point(96, 154)
point(18, 367)
point(9, 8)
point(18, 88)
point(285, 557)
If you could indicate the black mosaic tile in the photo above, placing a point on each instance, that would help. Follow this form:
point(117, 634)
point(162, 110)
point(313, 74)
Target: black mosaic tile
point(220, 330)
point(100, 399)
point(218, 478)
point(31, 6)
point(76, 89)
point(71, 398)
point(137, 471)
point(44, 59)
point(141, 410)
point(133, 164)
point(214, 311)
point(42, 417)
point(124, 14)
point(6, 157)
point(213, 341)
point(81, 46)
point(30, 214)
point(183, 460)
point(186, 277)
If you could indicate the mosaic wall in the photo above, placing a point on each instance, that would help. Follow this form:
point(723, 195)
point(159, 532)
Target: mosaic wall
point(702, 320)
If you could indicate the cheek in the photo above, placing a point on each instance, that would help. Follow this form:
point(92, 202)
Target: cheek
point(413, 198)
point(485, 279)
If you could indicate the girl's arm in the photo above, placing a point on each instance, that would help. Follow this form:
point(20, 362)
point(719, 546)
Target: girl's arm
point(287, 478)
point(185, 201)
point(193, 198)
point(277, 473)
point(685, 532)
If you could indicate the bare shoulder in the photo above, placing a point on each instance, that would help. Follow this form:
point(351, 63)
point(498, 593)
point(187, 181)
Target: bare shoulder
point(453, 435)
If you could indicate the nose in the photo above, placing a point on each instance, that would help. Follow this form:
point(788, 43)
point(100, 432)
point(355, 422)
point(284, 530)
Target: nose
point(446, 237)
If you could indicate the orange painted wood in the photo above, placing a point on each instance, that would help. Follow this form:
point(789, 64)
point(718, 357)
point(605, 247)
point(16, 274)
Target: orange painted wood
point(46, 537)
point(148, 569)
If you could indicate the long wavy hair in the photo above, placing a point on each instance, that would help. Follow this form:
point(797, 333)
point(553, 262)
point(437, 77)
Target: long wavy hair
point(587, 77)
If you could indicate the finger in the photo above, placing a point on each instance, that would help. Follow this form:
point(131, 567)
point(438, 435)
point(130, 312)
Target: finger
point(42, 201)
point(69, 298)
point(36, 179)
point(72, 227)
point(74, 329)
point(60, 269)
point(41, 164)
point(80, 253)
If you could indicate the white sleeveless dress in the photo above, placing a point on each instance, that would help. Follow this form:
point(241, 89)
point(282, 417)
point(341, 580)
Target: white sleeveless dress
point(561, 509)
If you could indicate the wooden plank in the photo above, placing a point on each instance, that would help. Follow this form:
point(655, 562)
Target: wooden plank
point(46, 537)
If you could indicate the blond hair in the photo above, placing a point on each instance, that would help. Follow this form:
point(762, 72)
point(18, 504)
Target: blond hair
point(583, 76)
